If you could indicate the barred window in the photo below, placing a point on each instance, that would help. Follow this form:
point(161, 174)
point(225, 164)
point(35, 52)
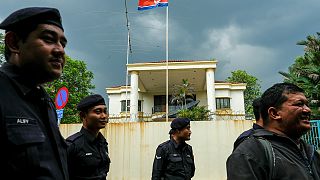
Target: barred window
point(223, 103)
point(123, 105)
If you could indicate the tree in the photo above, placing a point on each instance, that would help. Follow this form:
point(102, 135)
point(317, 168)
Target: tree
point(2, 59)
point(77, 79)
point(305, 72)
point(253, 88)
point(181, 92)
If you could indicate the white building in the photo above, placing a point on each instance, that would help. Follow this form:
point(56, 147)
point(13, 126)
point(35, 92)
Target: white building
point(147, 94)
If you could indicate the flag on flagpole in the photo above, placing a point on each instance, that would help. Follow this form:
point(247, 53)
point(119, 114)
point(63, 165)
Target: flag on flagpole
point(150, 4)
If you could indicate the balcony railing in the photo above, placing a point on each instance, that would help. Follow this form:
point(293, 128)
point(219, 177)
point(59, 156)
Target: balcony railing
point(162, 108)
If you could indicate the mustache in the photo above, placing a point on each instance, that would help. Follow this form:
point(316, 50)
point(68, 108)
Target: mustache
point(306, 115)
point(104, 120)
point(58, 59)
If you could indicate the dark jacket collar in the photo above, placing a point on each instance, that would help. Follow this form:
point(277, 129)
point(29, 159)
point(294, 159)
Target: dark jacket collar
point(24, 83)
point(265, 133)
point(272, 135)
point(91, 137)
point(176, 145)
point(256, 126)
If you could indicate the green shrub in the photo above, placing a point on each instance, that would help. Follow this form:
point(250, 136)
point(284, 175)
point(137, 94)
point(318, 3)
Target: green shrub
point(198, 113)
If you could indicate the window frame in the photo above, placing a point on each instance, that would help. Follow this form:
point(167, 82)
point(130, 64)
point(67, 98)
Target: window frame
point(123, 104)
point(223, 103)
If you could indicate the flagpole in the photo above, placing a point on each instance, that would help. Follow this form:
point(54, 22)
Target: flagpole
point(167, 70)
point(128, 51)
point(147, 4)
point(127, 73)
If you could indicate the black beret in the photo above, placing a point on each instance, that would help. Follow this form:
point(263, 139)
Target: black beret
point(90, 101)
point(179, 123)
point(31, 16)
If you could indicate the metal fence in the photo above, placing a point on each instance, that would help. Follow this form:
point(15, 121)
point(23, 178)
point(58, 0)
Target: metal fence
point(313, 136)
point(228, 116)
point(140, 117)
point(147, 117)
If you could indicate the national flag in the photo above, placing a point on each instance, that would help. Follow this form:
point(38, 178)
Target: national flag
point(150, 4)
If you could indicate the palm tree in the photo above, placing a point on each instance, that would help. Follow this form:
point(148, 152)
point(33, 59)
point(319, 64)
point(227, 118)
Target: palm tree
point(305, 72)
point(181, 92)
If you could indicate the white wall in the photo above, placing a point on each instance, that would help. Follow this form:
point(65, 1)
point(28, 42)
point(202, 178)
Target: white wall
point(148, 102)
point(237, 101)
point(114, 104)
point(223, 93)
point(132, 146)
point(202, 97)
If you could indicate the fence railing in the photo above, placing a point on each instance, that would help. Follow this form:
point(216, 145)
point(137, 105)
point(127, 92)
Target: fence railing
point(228, 115)
point(147, 117)
point(313, 136)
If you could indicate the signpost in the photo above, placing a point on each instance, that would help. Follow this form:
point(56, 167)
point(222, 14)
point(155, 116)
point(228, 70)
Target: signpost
point(61, 101)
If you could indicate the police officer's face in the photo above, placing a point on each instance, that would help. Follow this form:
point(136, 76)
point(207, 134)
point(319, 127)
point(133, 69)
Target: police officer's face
point(97, 117)
point(42, 52)
point(185, 133)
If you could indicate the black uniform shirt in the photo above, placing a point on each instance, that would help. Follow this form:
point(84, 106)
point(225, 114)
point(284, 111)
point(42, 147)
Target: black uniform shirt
point(32, 146)
point(173, 162)
point(88, 156)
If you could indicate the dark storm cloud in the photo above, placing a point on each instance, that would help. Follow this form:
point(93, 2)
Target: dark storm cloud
point(257, 36)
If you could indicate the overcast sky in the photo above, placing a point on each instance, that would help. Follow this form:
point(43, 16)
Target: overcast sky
point(256, 36)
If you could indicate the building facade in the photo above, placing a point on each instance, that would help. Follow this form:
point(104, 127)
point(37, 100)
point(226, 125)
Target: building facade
point(147, 94)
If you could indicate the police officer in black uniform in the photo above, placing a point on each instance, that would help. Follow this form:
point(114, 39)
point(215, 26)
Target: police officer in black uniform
point(88, 156)
point(174, 158)
point(31, 144)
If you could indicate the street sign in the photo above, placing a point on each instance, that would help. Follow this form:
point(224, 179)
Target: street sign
point(61, 98)
point(60, 115)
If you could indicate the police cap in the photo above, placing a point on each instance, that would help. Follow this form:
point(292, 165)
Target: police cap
point(31, 16)
point(90, 101)
point(179, 123)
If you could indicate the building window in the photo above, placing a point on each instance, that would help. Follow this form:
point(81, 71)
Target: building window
point(123, 105)
point(159, 103)
point(223, 103)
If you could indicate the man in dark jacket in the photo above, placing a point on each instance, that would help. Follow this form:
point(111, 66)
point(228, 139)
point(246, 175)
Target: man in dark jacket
point(88, 155)
point(31, 144)
point(174, 158)
point(286, 117)
point(257, 125)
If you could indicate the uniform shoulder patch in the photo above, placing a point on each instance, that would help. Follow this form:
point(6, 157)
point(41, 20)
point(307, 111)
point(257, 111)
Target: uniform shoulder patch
point(73, 137)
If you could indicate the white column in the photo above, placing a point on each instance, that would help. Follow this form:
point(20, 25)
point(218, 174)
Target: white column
point(211, 91)
point(134, 96)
